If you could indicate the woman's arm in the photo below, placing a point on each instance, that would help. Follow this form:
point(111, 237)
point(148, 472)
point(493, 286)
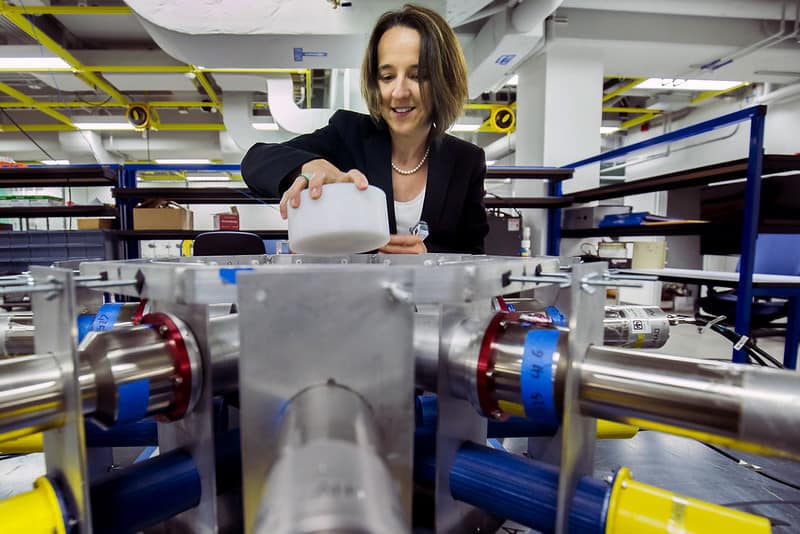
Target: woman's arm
point(270, 168)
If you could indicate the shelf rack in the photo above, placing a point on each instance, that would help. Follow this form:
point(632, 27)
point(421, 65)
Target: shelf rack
point(753, 167)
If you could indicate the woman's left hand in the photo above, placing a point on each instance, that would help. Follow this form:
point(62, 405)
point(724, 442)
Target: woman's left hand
point(404, 244)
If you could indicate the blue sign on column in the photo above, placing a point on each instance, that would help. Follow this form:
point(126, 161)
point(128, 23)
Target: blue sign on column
point(505, 59)
point(299, 54)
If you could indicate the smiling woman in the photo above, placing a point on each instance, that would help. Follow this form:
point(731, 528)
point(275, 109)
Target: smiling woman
point(414, 81)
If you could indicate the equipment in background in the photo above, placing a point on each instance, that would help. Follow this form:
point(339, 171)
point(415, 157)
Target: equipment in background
point(505, 234)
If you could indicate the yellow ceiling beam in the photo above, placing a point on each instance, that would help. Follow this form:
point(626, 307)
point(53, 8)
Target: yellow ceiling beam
point(28, 101)
point(705, 95)
point(180, 69)
point(627, 87)
point(638, 120)
point(629, 110)
point(16, 17)
point(175, 127)
point(161, 127)
point(70, 10)
point(208, 88)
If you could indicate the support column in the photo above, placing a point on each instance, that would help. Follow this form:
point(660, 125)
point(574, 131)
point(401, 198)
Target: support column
point(559, 112)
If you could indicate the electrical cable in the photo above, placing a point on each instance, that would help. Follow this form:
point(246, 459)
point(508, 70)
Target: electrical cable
point(752, 467)
point(26, 134)
point(504, 199)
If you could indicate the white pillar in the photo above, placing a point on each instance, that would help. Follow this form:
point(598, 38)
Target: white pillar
point(559, 113)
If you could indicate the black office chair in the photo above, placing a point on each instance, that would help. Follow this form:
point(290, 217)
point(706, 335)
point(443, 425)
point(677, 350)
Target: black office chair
point(774, 254)
point(222, 243)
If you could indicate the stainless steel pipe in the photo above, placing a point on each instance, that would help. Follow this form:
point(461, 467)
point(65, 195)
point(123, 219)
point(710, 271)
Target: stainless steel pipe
point(329, 475)
point(746, 407)
point(125, 374)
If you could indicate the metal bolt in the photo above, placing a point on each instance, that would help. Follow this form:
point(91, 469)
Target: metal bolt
point(163, 329)
point(177, 380)
point(496, 415)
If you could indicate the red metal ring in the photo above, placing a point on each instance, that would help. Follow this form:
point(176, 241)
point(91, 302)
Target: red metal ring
point(180, 357)
point(501, 303)
point(139, 313)
point(488, 405)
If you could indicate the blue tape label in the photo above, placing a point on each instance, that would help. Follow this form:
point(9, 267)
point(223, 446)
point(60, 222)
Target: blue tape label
point(556, 316)
point(132, 401)
point(106, 317)
point(85, 323)
point(536, 380)
point(228, 274)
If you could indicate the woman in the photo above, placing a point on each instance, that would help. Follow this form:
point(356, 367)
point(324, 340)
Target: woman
point(414, 81)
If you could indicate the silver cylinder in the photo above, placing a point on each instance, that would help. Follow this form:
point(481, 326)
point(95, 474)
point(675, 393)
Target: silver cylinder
point(329, 476)
point(31, 395)
point(16, 334)
point(730, 404)
point(637, 327)
point(223, 342)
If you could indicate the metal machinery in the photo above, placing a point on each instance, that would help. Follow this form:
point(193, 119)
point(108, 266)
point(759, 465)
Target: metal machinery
point(319, 367)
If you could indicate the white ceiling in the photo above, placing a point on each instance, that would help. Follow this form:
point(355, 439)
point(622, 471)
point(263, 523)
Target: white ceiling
point(636, 38)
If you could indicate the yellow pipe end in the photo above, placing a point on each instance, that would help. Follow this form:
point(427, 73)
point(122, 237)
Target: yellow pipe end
point(612, 430)
point(636, 508)
point(35, 512)
point(23, 445)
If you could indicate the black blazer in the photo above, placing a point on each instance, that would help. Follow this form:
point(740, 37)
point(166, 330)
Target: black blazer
point(453, 206)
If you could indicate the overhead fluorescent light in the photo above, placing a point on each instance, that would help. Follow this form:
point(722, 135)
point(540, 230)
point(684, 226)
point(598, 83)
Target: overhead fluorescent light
point(514, 80)
point(55, 162)
point(465, 127)
point(490, 162)
point(207, 177)
point(33, 63)
point(190, 161)
point(678, 84)
point(104, 126)
point(605, 130)
point(267, 126)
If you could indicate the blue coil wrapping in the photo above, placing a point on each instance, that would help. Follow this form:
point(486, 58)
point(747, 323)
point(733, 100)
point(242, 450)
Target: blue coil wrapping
point(145, 494)
point(524, 490)
point(140, 434)
point(515, 427)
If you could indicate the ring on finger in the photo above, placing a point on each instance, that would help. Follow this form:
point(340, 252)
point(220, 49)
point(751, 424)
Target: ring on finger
point(307, 175)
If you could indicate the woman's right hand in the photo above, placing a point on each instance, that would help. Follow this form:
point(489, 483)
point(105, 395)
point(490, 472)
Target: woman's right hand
point(321, 172)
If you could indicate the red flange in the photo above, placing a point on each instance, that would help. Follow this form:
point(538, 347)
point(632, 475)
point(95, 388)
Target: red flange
point(182, 383)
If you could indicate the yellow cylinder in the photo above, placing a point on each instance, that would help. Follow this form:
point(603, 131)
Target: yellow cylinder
point(35, 512)
point(24, 445)
point(612, 430)
point(637, 508)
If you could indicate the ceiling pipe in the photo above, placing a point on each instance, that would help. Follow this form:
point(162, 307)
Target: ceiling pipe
point(238, 119)
point(86, 142)
point(501, 147)
point(788, 92)
point(504, 42)
point(529, 15)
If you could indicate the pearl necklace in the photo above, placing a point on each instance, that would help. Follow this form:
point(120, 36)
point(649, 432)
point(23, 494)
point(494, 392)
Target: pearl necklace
point(415, 169)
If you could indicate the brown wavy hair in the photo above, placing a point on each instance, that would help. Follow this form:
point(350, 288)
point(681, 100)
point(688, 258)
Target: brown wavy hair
point(442, 68)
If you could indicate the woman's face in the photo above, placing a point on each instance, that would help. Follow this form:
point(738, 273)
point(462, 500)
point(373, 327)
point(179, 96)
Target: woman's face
point(402, 106)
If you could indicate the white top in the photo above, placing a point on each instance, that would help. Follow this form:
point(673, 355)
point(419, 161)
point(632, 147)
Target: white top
point(407, 214)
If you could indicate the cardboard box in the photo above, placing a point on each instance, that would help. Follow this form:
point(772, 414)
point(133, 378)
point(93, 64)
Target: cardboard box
point(96, 224)
point(162, 215)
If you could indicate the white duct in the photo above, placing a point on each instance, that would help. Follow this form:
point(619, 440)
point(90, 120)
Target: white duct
point(501, 147)
point(238, 119)
point(262, 33)
point(504, 41)
point(86, 142)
